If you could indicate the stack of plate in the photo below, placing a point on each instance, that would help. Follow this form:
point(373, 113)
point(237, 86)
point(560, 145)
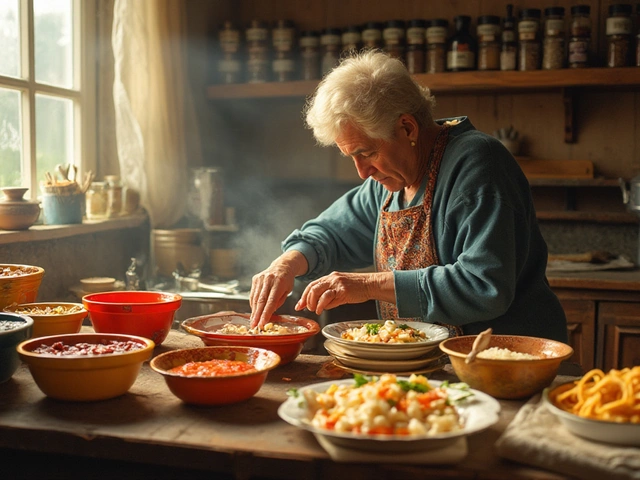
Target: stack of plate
point(377, 358)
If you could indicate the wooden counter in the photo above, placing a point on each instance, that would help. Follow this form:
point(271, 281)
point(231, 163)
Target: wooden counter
point(621, 280)
point(149, 430)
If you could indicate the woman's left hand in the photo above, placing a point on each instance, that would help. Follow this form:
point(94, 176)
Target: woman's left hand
point(339, 288)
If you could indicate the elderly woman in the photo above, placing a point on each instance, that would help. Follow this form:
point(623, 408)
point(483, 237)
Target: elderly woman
point(444, 214)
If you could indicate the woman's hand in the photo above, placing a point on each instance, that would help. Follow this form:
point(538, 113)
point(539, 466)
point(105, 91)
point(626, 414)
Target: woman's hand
point(340, 288)
point(270, 288)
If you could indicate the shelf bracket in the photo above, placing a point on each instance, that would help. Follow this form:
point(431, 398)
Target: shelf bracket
point(568, 97)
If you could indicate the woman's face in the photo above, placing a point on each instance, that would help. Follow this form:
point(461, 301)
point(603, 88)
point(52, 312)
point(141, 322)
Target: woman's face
point(393, 164)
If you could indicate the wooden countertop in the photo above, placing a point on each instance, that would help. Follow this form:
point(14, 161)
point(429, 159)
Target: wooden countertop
point(625, 280)
point(148, 425)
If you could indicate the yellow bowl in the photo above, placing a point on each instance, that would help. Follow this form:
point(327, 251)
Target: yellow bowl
point(508, 378)
point(19, 283)
point(52, 323)
point(85, 378)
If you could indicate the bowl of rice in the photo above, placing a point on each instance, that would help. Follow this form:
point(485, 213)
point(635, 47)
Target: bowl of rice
point(511, 367)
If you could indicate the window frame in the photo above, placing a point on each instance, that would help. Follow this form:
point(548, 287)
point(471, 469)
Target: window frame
point(82, 93)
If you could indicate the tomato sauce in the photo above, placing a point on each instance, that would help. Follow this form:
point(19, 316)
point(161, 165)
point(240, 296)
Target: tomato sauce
point(213, 368)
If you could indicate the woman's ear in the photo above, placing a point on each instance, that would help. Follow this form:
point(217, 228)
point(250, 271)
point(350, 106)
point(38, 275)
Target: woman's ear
point(408, 127)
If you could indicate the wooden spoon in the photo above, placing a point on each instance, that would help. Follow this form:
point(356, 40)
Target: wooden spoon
point(480, 343)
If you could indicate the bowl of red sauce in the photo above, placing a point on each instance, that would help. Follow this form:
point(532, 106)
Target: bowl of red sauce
point(85, 366)
point(284, 334)
point(215, 375)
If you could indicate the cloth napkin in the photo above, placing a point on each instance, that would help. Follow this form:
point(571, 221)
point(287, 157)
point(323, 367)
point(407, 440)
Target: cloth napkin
point(450, 454)
point(536, 437)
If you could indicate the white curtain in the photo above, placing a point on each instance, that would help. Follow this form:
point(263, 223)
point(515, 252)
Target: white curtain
point(153, 108)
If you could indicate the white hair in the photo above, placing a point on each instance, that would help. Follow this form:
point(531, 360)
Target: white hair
point(369, 90)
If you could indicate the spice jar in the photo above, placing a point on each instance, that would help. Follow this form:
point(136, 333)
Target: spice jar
point(351, 40)
point(488, 33)
point(529, 39)
point(330, 46)
point(229, 64)
point(580, 36)
point(619, 35)
point(436, 35)
point(257, 48)
point(114, 195)
point(310, 55)
point(393, 36)
point(553, 43)
point(96, 201)
point(372, 35)
point(509, 48)
point(461, 47)
point(415, 46)
point(283, 37)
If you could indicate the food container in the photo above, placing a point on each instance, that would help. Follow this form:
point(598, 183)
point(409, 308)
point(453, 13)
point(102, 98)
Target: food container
point(14, 329)
point(19, 283)
point(62, 209)
point(52, 318)
point(16, 213)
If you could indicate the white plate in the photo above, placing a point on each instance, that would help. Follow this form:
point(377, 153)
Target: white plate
point(340, 354)
point(479, 412)
point(598, 430)
point(432, 367)
point(386, 351)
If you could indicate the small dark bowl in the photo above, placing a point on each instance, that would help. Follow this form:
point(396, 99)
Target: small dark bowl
point(9, 340)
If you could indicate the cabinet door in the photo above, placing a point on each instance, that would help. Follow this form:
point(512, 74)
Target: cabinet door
point(618, 335)
point(581, 321)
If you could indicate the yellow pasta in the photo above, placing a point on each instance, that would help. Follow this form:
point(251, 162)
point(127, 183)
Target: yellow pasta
point(612, 396)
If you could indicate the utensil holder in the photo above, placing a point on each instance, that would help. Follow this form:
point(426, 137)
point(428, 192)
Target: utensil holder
point(62, 209)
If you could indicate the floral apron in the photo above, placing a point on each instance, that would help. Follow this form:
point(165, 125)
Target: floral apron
point(405, 238)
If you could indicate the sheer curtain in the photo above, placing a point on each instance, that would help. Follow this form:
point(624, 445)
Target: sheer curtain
point(154, 113)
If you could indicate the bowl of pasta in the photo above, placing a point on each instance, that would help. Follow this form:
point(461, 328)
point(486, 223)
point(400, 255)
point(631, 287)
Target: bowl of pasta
point(386, 340)
point(602, 407)
point(389, 413)
point(284, 335)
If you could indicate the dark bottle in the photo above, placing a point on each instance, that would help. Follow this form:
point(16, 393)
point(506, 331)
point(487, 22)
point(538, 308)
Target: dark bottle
point(461, 47)
point(509, 49)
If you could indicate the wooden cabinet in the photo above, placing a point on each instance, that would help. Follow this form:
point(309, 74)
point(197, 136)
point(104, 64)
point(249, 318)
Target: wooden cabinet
point(618, 335)
point(581, 326)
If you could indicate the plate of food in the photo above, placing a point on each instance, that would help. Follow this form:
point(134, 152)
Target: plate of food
point(389, 412)
point(603, 407)
point(386, 340)
point(412, 365)
point(285, 334)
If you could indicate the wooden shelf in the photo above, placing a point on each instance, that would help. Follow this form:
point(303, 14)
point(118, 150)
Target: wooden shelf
point(574, 182)
point(458, 82)
point(589, 217)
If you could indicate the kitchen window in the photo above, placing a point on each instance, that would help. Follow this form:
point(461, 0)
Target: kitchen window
point(47, 89)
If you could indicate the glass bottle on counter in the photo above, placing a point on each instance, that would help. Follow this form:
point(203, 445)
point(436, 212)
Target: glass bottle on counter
point(330, 46)
point(529, 39)
point(283, 37)
point(372, 35)
point(553, 44)
point(509, 49)
point(619, 35)
point(579, 36)
point(436, 36)
point(415, 55)
point(229, 64)
point(351, 40)
point(461, 47)
point(310, 55)
point(96, 201)
point(257, 49)
point(114, 195)
point(393, 36)
point(488, 33)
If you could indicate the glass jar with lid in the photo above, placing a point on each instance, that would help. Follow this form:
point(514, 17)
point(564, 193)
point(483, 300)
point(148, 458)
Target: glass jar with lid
point(351, 39)
point(283, 36)
point(509, 47)
point(553, 54)
point(96, 201)
point(310, 55)
point(114, 195)
point(488, 34)
point(415, 55)
point(619, 31)
point(229, 64)
point(461, 47)
point(372, 35)
point(393, 36)
point(529, 45)
point(330, 47)
point(257, 50)
point(579, 36)
point(436, 36)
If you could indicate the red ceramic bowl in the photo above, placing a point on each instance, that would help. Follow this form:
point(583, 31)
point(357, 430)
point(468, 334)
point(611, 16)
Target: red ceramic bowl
point(215, 390)
point(288, 346)
point(145, 314)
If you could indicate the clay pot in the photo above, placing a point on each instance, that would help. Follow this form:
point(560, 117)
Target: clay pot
point(16, 213)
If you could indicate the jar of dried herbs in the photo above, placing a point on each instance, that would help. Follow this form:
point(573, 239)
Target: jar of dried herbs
point(415, 45)
point(619, 31)
point(580, 36)
point(310, 55)
point(488, 34)
point(553, 45)
point(372, 35)
point(436, 35)
point(229, 64)
point(330, 46)
point(393, 36)
point(257, 48)
point(529, 45)
point(509, 48)
point(283, 36)
point(351, 39)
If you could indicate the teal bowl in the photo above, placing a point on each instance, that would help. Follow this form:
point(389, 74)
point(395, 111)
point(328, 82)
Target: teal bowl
point(14, 329)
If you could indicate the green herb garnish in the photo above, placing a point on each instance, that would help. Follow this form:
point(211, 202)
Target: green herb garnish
point(372, 328)
point(361, 379)
point(417, 387)
point(293, 392)
point(403, 326)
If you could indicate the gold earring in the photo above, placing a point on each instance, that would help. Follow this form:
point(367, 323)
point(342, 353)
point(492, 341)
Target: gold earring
point(413, 144)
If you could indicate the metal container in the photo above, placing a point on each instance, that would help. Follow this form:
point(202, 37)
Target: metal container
point(180, 248)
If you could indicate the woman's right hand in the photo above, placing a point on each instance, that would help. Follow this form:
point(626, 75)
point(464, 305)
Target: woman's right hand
point(270, 288)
